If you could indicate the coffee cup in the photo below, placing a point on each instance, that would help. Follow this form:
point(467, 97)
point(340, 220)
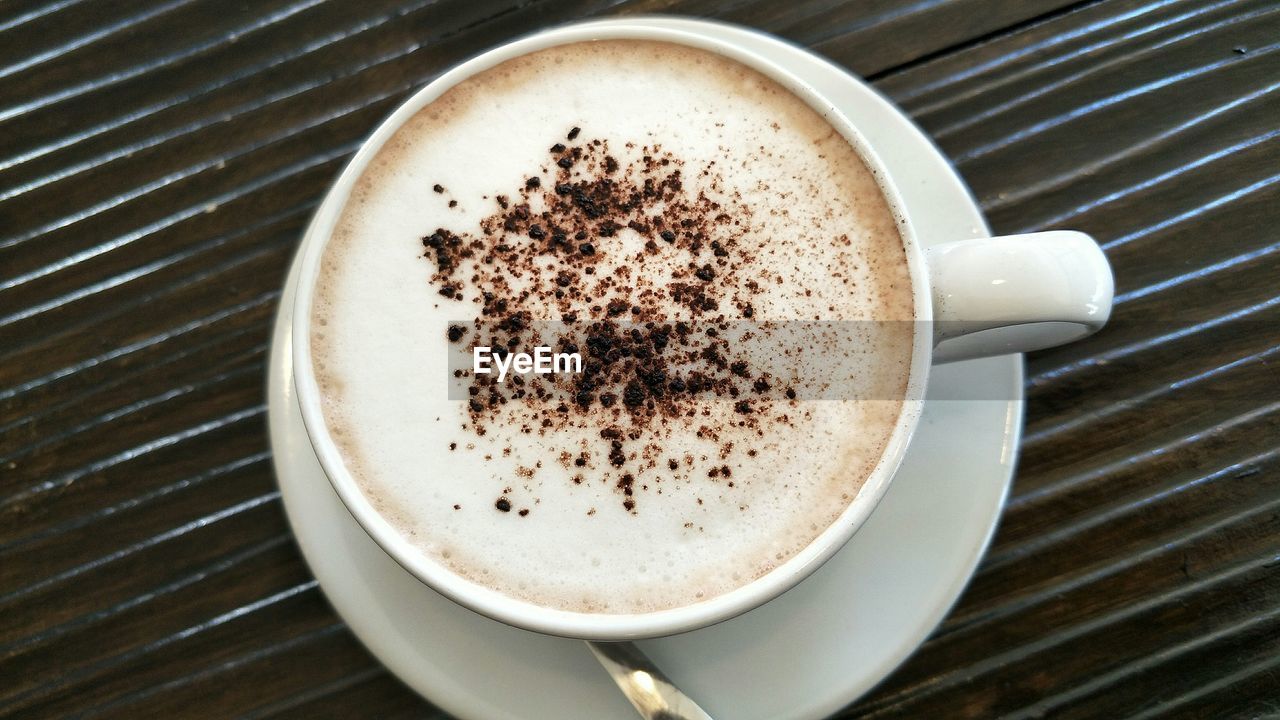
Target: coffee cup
point(968, 299)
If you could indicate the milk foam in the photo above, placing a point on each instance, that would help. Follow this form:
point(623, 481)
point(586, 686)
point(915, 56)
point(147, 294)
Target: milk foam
point(827, 248)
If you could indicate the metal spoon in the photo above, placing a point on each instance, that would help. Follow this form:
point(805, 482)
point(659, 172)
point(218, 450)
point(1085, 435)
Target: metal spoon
point(652, 693)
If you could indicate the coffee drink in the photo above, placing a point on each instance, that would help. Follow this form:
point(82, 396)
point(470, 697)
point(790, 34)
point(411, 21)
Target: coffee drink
point(660, 212)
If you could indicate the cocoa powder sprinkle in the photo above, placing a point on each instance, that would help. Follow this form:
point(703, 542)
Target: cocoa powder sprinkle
point(642, 368)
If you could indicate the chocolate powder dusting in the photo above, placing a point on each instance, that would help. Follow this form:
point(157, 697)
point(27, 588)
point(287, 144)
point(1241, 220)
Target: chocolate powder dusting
point(655, 346)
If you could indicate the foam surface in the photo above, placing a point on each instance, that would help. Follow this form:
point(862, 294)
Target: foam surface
point(822, 245)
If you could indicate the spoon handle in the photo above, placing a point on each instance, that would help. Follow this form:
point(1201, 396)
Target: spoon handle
point(652, 693)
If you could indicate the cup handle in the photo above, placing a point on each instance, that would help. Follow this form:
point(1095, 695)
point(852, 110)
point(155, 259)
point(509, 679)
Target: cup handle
point(1017, 293)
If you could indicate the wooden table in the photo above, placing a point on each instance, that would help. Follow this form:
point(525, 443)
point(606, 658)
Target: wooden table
point(158, 160)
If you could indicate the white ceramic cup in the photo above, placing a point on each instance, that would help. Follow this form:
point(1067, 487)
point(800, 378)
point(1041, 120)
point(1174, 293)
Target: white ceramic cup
point(973, 298)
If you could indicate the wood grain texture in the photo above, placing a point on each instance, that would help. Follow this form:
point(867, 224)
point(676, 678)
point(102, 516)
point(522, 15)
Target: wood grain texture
point(158, 161)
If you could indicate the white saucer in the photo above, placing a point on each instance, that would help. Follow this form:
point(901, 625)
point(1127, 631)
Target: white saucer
point(804, 655)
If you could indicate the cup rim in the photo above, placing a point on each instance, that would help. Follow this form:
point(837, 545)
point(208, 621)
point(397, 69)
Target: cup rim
point(553, 621)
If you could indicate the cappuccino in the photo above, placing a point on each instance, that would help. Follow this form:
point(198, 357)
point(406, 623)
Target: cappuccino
point(669, 217)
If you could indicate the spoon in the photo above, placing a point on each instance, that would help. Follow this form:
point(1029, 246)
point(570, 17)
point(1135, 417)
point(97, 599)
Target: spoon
point(652, 693)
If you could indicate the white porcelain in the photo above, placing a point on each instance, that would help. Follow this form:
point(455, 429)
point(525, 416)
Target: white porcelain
point(804, 655)
point(1017, 293)
point(1048, 278)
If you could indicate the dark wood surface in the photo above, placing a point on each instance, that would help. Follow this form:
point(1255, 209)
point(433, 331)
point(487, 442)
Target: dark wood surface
point(158, 161)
